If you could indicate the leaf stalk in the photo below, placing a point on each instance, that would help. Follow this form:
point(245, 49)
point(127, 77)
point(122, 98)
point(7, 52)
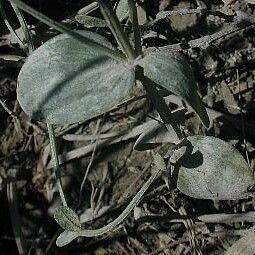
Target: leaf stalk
point(134, 20)
point(53, 146)
point(116, 28)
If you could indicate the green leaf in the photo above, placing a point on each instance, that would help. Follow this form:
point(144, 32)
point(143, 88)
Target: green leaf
point(89, 21)
point(122, 10)
point(64, 81)
point(213, 169)
point(66, 237)
point(172, 72)
point(67, 219)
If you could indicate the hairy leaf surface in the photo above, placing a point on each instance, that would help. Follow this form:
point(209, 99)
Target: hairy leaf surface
point(64, 81)
point(172, 72)
point(122, 10)
point(66, 237)
point(67, 219)
point(213, 169)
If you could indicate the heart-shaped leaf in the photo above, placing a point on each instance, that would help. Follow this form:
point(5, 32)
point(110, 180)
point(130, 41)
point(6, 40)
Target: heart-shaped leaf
point(213, 169)
point(172, 72)
point(67, 219)
point(64, 81)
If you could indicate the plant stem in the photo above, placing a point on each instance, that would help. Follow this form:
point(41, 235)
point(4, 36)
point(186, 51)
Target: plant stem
point(134, 19)
point(156, 170)
point(126, 212)
point(95, 46)
point(24, 27)
point(54, 153)
point(160, 104)
point(116, 28)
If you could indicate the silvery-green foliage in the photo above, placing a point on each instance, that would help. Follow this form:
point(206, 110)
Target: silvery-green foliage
point(66, 237)
point(213, 169)
point(67, 219)
point(64, 81)
point(172, 72)
point(122, 10)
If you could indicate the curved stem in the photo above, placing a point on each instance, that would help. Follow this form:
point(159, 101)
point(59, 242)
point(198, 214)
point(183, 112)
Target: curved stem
point(125, 213)
point(53, 146)
point(67, 236)
point(95, 46)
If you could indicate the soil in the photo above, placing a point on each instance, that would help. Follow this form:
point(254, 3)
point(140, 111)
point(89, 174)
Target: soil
point(165, 221)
